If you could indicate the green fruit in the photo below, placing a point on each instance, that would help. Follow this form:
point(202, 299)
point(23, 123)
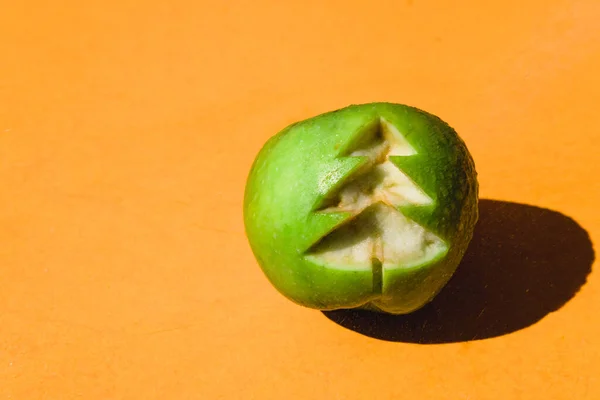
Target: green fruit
point(371, 206)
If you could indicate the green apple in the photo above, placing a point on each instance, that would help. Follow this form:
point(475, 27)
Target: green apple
point(371, 206)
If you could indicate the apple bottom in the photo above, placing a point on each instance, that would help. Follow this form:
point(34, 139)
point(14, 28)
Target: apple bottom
point(379, 288)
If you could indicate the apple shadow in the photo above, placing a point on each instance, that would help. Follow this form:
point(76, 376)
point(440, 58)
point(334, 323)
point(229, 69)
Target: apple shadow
point(523, 263)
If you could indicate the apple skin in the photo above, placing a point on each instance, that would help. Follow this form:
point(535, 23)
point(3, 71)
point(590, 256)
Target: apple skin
point(299, 166)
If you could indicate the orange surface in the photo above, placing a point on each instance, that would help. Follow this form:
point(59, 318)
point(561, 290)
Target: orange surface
point(127, 130)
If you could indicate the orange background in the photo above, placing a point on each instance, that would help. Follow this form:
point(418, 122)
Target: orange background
point(127, 130)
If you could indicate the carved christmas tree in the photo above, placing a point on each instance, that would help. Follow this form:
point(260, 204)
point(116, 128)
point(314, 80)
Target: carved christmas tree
point(378, 236)
point(371, 206)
